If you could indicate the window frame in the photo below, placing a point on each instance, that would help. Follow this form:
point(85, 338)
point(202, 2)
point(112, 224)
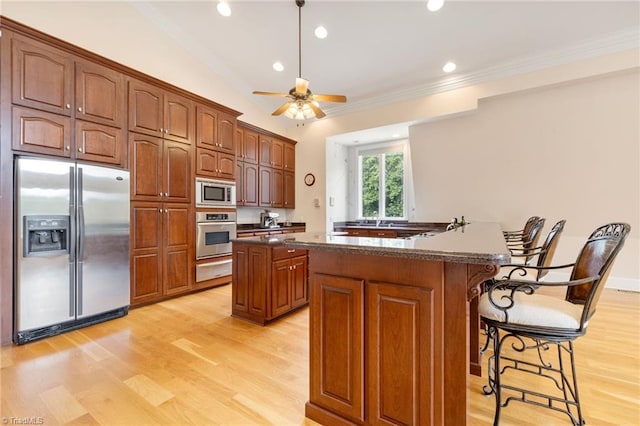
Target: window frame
point(381, 149)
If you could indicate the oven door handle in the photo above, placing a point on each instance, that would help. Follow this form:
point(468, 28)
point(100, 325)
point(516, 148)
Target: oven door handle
point(216, 223)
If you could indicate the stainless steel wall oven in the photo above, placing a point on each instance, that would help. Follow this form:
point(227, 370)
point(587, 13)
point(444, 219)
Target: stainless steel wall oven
point(214, 232)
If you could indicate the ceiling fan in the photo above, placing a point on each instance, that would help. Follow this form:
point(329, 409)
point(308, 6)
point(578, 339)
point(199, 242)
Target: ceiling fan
point(302, 103)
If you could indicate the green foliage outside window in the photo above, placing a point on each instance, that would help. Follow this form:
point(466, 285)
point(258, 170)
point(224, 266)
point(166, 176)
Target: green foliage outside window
point(384, 171)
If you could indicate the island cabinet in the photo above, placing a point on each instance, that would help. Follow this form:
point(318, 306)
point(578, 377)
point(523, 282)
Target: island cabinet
point(388, 324)
point(268, 281)
point(64, 105)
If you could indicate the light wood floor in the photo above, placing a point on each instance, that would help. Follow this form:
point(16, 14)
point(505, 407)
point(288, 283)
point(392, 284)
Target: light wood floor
point(186, 361)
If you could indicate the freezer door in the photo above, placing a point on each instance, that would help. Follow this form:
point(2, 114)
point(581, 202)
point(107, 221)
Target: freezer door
point(103, 241)
point(45, 289)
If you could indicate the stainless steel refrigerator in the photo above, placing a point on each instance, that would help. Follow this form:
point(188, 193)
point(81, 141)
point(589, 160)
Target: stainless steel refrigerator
point(72, 246)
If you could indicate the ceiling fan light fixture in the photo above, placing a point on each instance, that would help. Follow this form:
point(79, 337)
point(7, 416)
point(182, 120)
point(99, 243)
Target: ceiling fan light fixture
point(299, 111)
point(223, 8)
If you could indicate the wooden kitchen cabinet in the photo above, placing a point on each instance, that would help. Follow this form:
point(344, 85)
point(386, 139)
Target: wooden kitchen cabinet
point(247, 146)
point(40, 132)
point(246, 184)
point(289, 159)
point(215, 164)
point(268, 281)
point(156, 112)
point(161, 250)
point(99, 95)
point(289, 190)
point(277, 188)
point(42, 76)
point(160, 169)
point(265, 186)
point(100, 144)
point(271, 152)
point(215, 130)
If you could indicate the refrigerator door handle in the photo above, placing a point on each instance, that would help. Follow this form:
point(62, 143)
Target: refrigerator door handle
point(72, 215)
point(81, 237)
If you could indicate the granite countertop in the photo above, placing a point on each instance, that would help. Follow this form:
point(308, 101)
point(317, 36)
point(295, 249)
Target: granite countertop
point(478, 242)
point(394, 226)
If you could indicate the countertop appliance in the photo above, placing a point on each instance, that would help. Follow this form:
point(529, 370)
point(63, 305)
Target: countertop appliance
point(72, 246)
point(269, 219)
point(215, 193)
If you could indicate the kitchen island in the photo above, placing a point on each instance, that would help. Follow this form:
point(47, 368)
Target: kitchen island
point(388, 323)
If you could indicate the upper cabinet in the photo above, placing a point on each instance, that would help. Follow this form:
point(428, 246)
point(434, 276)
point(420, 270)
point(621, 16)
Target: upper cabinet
point(42, 76)
point(64, 105)
point(100, 94)
point(216, 141)
point(289, 157)
point(247, 146)
point(271, 152)
point(156, 112)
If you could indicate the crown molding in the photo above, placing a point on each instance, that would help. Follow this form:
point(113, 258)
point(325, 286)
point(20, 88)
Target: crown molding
point(626, 39)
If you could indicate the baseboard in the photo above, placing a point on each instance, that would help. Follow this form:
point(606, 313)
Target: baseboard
point(617, 283)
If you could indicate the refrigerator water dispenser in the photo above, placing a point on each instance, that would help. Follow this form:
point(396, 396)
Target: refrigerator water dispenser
point(45, 235)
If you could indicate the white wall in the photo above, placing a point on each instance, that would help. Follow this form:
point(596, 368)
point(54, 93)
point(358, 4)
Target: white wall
point(563, 152)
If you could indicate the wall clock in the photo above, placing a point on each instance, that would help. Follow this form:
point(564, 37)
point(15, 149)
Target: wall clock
point(309, 179)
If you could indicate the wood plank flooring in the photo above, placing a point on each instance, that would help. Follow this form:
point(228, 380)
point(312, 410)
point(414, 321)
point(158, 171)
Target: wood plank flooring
point(186, 361)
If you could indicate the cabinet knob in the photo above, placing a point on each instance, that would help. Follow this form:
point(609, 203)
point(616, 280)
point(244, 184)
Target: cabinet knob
point(79, 109)
point(68, 106)
point(166, 194)
point(166, 211)
point(291, 251)
point(160, 211)
point(68, 147)
point(161, 130)
point(160, 194)
point(166, 130)
point(79, 149)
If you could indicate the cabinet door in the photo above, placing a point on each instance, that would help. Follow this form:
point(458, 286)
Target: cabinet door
point(277, 154)
point(179, 118)
point(178, 232)
point(259, 279)
point(100, 94)
point(277, 188)
point(239, 183)
point(265, 186)
point(42, 76)
point(240, 287)
point(250, 184)
point(226, 165)
point(145, 153)
point(336, 353)
point(264, 156)
point(289, 190)
point(146, 252)
point(289, 157)
point(399, 375)
point(250, 148)
point(178, 184)
point(226, 133)
point(40, 132)
point(280, 287)
point(299, 281)
point(206, 162)
point(239, 135)
point(206, 127)
point(102, 144)
point(145, 108)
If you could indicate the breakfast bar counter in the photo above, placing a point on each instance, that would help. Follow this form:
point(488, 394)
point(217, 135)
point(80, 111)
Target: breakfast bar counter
point(388, 323)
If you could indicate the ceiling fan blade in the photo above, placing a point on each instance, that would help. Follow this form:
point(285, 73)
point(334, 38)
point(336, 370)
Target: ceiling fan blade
point(317, 110)
point(282, 108)
point(302, 86)
point(283, 95)
point(329, 98)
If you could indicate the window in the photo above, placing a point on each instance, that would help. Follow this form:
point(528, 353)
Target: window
point(381, 181)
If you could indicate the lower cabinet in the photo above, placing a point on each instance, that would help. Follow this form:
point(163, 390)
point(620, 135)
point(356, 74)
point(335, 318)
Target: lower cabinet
point(161, 250)
point(267, 281)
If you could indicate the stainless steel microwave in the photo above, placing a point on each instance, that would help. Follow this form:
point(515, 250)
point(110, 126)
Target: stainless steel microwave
point(215, 193)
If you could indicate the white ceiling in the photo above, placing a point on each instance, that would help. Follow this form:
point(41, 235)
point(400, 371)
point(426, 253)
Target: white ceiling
point(383, 51)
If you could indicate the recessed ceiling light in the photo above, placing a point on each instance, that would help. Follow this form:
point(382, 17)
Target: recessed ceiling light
point(435, 5)
point(278, 66)
point(223, 8)
point(321, 32)
point(449, 67)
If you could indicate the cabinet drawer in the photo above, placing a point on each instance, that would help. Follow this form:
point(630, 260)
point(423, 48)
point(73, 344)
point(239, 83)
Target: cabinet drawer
point(287, 252)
